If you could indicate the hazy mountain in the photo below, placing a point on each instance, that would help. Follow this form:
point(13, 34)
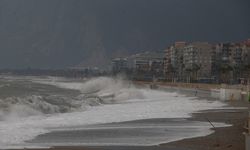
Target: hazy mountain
point(64, 33)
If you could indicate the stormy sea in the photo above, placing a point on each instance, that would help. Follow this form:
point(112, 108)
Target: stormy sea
point(52, 111)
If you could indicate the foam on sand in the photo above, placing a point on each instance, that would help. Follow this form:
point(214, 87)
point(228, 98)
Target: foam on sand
point(128, 103)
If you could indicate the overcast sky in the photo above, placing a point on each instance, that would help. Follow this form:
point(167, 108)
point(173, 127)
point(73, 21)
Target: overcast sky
point(64, 33)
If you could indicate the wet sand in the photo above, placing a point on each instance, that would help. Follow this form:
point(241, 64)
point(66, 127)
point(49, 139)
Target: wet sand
point(138, 132)
point(224, 138)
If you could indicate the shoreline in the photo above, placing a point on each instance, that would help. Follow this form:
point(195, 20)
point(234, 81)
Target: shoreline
point(229, 138)
point(216, 141)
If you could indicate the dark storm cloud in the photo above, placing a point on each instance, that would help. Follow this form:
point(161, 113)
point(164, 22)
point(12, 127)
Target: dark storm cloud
point(63, 33)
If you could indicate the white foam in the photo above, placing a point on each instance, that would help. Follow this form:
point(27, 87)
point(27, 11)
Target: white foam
point(132, 104)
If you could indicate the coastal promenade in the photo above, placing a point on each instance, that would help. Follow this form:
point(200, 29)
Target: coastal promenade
point(219, 91)
point(201, 86)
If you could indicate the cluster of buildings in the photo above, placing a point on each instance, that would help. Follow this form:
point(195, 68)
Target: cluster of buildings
point(74, 72)
point(142, 66)
point(190, 62)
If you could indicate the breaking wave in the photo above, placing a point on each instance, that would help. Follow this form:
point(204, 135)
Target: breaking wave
point(15, 107)
point(101, 100)
point(94, 92)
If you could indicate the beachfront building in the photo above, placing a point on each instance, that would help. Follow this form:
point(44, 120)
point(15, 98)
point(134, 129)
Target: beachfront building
point(119, 65)
point(245, 76)
point(168, 68)
point(197, 59)
point(246, 52)
point(204, 62)
point(173, 67)
point(231, 60)
point(147, 65)
point(223, 65)
point(190, 62)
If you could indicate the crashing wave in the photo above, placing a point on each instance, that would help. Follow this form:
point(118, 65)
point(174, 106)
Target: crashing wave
point(114, 100)
point(16, 107)
point(95, 92)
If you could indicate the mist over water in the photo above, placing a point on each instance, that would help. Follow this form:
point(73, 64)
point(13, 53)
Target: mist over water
point(46, 104)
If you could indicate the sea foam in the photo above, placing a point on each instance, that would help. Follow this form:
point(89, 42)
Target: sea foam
point(125, 103)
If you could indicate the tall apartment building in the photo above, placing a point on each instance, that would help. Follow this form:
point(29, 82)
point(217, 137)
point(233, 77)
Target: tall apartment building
point(173, 67)
point(168, 67)
point(246, 52)
point(197, 58)
point(201, 61)
point(230, 61)
point(146, 65)
point(167, 61)
point(246, 61)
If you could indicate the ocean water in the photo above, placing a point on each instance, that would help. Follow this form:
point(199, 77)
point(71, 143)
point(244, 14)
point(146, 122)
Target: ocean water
point(33, 106)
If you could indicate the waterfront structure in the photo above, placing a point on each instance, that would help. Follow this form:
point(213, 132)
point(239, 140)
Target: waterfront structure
point(190, 62)
point(197, 59)
point(147, 65)
point(173, 67)
point(185, 62)
point(141, 66)
point(204, 62)
point(246, 52)
point(245, 77)
point(230, 61)
point(119, 65)
point(168, 68)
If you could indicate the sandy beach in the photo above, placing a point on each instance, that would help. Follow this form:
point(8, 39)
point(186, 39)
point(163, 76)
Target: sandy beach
point(223, 138)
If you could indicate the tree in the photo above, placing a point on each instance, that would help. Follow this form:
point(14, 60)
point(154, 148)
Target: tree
point(193, 71)
point(225, 72)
